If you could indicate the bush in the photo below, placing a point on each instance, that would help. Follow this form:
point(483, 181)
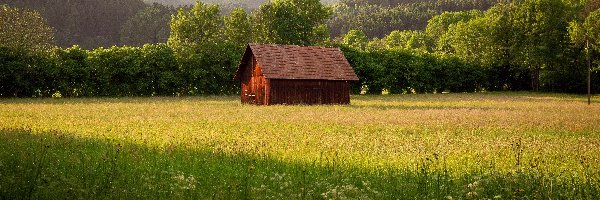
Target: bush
point(405, 71)
point(160, 65)
point(25, 73)
point(73, 78)
point(153, 69)
point(158, 70)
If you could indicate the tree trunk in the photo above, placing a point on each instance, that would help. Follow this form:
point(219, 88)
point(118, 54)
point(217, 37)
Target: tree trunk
point(535, 79)
point(589, 71)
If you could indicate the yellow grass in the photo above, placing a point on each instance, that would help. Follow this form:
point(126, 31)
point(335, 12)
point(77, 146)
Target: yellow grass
point(372, 131)
point(460, 133)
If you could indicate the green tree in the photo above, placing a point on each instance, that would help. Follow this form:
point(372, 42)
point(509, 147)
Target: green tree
point(507, 72)
point(197, 27)
point(24, 29)
point(87, 23)
point(160, 73)
point(148, 26)
point(298, 22)
point(356, 39)
point(415, 40)
point(439, 24)
point(481, 42)
point(207, 60)
point(376, 44)
point(238, 28)
point(378, 18)
point(591, 27)
point(473, 41)
point(515, 39)
point(542, 28)
point(587, 34)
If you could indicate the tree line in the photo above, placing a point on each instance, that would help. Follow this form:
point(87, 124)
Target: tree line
point(88, 23)
point(520, 45)
point(92, 23)
point(104, 23)
point(376, 18)
point(516, 45)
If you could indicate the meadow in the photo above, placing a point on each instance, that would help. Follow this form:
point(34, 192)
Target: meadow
point(426, 146)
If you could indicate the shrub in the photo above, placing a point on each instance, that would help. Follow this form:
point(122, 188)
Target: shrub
point(405, 71)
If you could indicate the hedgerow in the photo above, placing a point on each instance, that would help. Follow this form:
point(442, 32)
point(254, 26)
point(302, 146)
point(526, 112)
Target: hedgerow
point(405, 71)
point(159, 70)
point(151, 70)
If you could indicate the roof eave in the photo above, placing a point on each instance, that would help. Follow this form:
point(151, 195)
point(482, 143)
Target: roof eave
point(239, 71)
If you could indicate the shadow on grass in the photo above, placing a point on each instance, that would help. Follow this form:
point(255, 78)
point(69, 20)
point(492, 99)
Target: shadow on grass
point(54, 165)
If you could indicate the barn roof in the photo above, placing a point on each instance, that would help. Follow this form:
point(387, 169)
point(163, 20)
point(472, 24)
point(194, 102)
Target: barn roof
point(298, 62)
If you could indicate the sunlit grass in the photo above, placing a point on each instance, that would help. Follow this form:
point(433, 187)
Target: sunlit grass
point(388, 140)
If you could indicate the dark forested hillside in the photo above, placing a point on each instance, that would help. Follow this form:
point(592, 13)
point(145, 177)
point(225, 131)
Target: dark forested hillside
point(104, 23)
point(95, 23)
point(87, 23)
point(148, 26)
point(376, 18)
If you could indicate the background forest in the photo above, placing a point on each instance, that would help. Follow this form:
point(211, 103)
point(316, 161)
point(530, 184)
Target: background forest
point(158, 47)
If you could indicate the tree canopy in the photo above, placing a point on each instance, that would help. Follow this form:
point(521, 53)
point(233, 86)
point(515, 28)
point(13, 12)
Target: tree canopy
point(299, 22)
point(198, 26)
point(378, 18)
point(24, 29)
point(238, 27)
point(149, 26)
point(88, 23)
point(356, 39)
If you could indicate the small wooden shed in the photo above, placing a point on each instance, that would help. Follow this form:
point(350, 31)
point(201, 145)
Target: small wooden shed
point(290, 74)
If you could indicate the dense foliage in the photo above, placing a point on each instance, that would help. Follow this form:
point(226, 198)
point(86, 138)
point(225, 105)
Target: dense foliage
point(522, 42)
point(403, 71)
point(376, 18)
point(159, 70)
point(300, 22)
point(118, 71)
point(148, 26)
point(524, 45)
point(24, 29)
point(88, 23)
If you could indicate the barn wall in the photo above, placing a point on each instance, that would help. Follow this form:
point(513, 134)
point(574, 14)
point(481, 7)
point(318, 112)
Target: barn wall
point(254, 89)
point(309, 92)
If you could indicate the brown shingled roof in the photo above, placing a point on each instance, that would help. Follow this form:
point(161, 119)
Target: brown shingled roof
point(299, 62)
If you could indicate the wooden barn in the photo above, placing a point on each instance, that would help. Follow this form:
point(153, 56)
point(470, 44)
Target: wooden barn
point(289, 74)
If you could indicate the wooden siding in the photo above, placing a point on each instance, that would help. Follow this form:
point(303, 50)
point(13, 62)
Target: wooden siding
point(254, 85)
point(309, 92)
point(257, 88)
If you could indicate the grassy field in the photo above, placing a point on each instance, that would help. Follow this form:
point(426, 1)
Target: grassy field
point(432, 146)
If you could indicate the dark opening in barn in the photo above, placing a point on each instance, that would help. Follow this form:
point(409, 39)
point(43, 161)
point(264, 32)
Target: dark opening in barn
point(289, 74)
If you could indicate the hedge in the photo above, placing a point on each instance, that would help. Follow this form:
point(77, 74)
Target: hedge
point(157, 69)
point(117, 71)
point(404, 71)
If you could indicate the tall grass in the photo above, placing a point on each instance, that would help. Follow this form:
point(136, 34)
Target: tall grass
point(486, 145)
